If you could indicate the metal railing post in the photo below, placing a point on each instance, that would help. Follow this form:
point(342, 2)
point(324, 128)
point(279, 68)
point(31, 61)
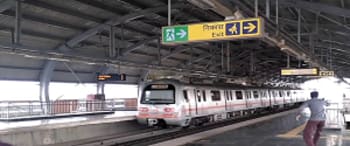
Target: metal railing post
point(7, 114)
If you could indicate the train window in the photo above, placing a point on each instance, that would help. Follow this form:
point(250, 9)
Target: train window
point(227, 96)
point(274, 93)
point(185, 95)
point(239, 95)
point(204, 97)
point(198, 95)
point(263, 94)
point(288, 93)
point(255, 94)
point(162, 94)
point(281, 93)
point(215, 95)
point(231, 95)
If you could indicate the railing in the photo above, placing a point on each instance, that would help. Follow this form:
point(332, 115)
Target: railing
point(346, 105)
point(335, 119)
point(21, 109)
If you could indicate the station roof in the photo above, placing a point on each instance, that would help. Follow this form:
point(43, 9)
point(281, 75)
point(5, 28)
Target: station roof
point(76, 34)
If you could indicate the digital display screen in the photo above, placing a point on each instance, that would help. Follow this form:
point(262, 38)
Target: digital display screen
point(111, 77)
point(160, 86)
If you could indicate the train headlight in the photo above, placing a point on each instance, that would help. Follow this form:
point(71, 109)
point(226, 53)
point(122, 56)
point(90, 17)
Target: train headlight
point(143, 109)
point(168, 109)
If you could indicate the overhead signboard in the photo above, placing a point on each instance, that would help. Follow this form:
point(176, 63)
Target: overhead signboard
point(111, 77)
point(299, 72)
point(224, 30)
point(326, 73)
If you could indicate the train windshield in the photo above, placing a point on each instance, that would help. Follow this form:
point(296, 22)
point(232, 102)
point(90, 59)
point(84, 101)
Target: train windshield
point(158, 94)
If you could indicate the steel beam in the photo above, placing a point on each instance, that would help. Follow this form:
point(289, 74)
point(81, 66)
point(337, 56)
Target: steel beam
point(177, 51)
point(317, 7)
point(327, 28)
point(18, 21)
point(47, 72)
point(138, 45)
point(169, 12)
point(111, 50)
point(6, 4)
point(299, 25)
point(277, 12)
point(92, 60)
point(335, 21)
point(73, 72)
point(63, 10)
point(120, 12)
point(45, 21)
point(256, 8)
point(268, 9)
point(197, 59)
point(34, 34)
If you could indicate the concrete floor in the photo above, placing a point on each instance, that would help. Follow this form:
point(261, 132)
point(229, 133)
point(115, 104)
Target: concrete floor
point(60, 130)
point(283, 131)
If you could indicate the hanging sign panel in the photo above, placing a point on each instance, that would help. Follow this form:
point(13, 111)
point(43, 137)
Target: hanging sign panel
point(224, 30)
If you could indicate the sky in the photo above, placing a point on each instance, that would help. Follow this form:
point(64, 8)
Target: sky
point(329, 88)
point(25, 90)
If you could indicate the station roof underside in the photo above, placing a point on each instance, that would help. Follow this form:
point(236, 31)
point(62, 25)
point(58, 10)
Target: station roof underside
point(76, 35)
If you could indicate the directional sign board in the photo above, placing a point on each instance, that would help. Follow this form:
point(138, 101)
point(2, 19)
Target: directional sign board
point(299, 72)
point(224, 30)
point(326, 73)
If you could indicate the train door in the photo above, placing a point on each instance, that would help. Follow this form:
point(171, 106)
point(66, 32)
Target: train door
point(282, 100)
point(269, 96)
point(187, 105)
point(230, 100)
point(289, 97)
point(272, 98)
point(239, 100)
point(256, 99)
point(215, 101)
point(195, 101)
point(200, 102)
point(226, 98)
point(249, 99)
point(204, 103)
point(275, 98)
point(263, 98)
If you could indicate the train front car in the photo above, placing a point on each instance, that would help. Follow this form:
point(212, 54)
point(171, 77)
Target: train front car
point(159, 105)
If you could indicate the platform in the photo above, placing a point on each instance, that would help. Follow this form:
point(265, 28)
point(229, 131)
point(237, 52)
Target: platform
point(52, 131)
point(279, 131)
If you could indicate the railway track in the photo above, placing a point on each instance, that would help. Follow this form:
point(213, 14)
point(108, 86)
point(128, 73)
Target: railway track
point(154, 135)
point(176, 133)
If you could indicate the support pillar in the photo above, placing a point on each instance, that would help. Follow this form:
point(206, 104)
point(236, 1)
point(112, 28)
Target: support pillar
point(18, 22)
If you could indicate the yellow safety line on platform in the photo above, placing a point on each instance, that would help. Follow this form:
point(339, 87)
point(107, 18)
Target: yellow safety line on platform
point(293, 133)
point(332, 137)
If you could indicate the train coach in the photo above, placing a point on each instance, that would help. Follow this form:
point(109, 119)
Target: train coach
point(170, 102)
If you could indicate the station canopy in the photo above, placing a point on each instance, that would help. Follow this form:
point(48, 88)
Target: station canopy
point(74, 40)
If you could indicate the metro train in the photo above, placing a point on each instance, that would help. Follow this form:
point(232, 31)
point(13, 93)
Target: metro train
point(172, 103)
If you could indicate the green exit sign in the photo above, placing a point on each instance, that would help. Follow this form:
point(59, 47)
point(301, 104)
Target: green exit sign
point(175, 34)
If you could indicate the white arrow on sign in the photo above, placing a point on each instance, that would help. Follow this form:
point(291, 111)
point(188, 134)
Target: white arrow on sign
point(182, 33)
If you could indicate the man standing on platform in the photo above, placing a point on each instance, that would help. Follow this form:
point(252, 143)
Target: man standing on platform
point(316, 122)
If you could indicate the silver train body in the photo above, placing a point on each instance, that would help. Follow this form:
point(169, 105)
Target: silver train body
point(169, 102)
